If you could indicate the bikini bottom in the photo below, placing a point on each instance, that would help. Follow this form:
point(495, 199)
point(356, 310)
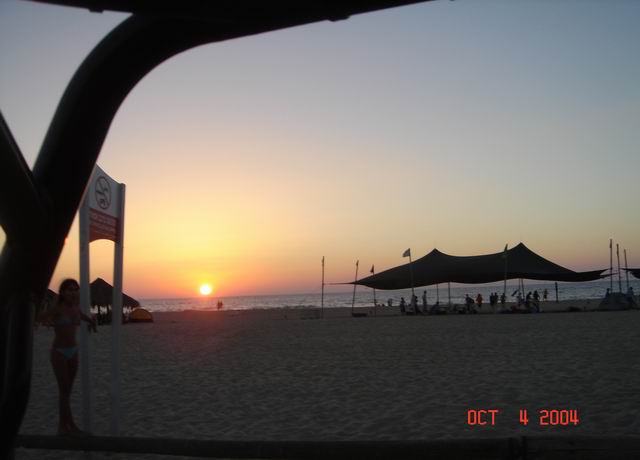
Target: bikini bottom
point(67, 352)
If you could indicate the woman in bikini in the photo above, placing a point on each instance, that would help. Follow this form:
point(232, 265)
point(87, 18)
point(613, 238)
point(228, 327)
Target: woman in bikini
point(66, 316)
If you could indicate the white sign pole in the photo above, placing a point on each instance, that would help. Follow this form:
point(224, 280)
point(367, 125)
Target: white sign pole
point(85, 307)
point(116, 318)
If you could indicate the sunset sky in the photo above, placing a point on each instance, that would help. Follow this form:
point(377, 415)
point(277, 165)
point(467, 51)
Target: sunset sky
point(459, 125)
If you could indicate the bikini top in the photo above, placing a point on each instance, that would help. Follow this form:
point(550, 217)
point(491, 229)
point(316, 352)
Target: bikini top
point(66, 320)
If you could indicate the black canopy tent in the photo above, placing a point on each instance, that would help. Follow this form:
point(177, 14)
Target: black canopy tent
point(634, 271)
point(437, 267)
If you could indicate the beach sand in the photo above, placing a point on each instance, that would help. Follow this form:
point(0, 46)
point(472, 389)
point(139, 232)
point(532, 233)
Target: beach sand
point(280, 375)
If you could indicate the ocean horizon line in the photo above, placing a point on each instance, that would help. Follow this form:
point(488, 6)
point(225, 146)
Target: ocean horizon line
point(361, 289)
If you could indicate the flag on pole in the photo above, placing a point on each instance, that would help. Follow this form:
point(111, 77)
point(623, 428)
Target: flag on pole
point(372, 269)
point(407, 253)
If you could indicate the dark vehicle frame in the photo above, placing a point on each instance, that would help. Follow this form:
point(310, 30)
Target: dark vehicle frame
point(37, 208)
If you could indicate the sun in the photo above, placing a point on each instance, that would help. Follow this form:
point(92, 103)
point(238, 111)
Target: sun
point(205, 289)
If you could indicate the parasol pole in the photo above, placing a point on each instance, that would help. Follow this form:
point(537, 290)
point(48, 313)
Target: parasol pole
point(353, 301)
point(626, 269)
point(619, 276)
point(322, 292)
point(610, 265)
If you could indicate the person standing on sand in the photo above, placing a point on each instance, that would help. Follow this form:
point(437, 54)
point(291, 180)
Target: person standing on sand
point(479, 300)
point(66, 316)
point(468, 303)
point(545, 294)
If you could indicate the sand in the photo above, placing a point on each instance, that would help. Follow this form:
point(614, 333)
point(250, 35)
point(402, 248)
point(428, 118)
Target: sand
point(276, 375)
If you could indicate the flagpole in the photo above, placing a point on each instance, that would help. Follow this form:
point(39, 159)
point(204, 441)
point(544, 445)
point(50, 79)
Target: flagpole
point(353, 301)
point(619, 277)
point(611, 265)
point(407, 253)
point(322, 292)
point(411, 272)
point(626, 269)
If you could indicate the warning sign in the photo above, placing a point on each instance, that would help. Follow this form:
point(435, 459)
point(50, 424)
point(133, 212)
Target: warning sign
point(104, 209)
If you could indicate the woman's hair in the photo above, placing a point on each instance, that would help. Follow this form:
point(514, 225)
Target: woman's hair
point(66, 284)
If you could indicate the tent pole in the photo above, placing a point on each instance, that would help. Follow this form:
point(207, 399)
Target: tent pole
point(411, 271)
point(375, 302)
point(626, 269)
point(322, 292)
point(619, 277)
point(610, 265)
point(504, 291)
point(520, 288)
point(353, 301)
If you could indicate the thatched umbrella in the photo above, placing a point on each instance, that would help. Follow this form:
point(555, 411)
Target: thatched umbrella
point(47, 303)
point(102, 296)
point(49, 299)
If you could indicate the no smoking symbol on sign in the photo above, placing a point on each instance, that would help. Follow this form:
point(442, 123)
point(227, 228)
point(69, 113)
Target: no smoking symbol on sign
point(103, 193)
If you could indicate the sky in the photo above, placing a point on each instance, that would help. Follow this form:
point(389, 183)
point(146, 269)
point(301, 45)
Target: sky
point(461, 125)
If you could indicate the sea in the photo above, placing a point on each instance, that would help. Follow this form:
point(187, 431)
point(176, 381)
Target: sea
point(364, 297)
